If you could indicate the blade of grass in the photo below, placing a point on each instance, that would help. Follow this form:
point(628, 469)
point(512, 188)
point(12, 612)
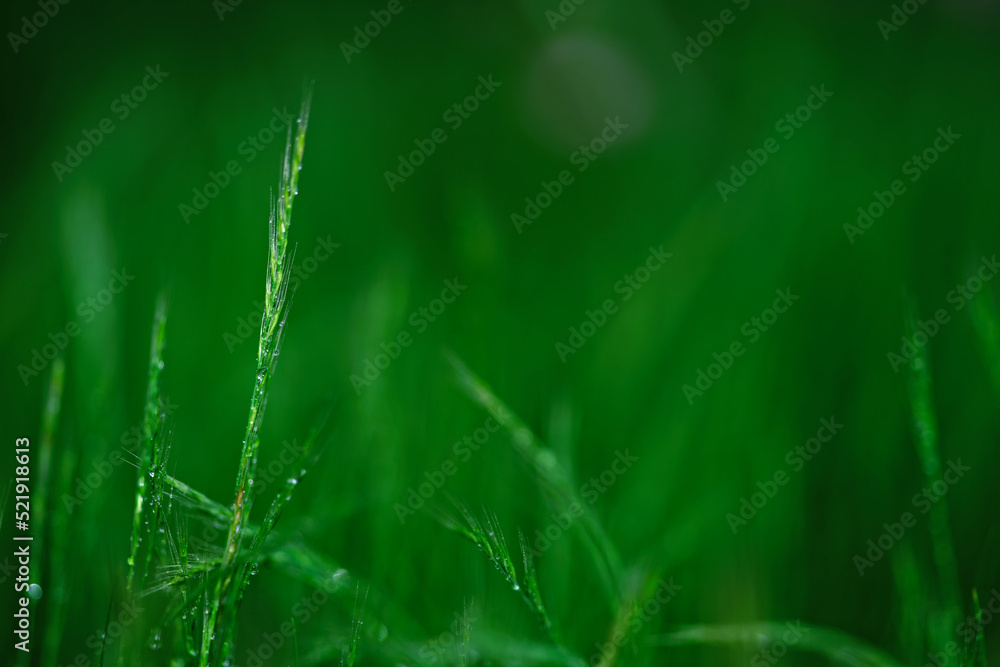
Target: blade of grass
point(925, 426)
point(56, 557)
point(463, 644)
point(987, 323)
point(104, 635)
point(141, 531)
point(350, 654)
point(837, 646)
point(978, 657)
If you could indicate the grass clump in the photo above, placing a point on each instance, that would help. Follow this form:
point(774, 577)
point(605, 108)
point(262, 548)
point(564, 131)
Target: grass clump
point(206, 584)
point(202, 584)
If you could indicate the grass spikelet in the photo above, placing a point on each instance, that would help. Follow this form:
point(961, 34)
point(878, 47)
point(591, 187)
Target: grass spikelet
point(488, 536)
point(230, 585)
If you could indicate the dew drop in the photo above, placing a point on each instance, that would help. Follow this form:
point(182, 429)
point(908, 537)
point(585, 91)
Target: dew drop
point(35, 591)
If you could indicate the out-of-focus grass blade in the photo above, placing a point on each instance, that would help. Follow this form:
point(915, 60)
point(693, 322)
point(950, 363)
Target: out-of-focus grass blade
point(987, 323)
point(978, 658)
point(551, 477)
point(56, 608)
point(505, 650)
point(925, 427)
point(835, 645)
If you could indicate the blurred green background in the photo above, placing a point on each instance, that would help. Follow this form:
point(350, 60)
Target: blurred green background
point(655, 185)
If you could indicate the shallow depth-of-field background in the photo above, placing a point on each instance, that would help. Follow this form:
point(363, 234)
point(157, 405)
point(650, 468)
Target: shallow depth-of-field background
point(380, 253)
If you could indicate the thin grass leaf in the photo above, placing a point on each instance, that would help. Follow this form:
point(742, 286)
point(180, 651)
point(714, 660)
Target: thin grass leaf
point(502, 649)
point(463, 647)
point(50, 420)
point(138, 566)
point(185, 624)
point(196, 500)
point(837, 646)
point(104, 635)
point(56, 613)
point(531, 588)
point(350, 653)
point(987, 323)
point(639, 586)
point(912, 578)
point(58, 592)
point(978, 657)
point(925, 425)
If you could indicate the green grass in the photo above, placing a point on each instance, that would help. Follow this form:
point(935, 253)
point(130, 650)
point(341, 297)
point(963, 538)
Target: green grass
point(186, 530)
point(205, 590)
point(200, 587)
